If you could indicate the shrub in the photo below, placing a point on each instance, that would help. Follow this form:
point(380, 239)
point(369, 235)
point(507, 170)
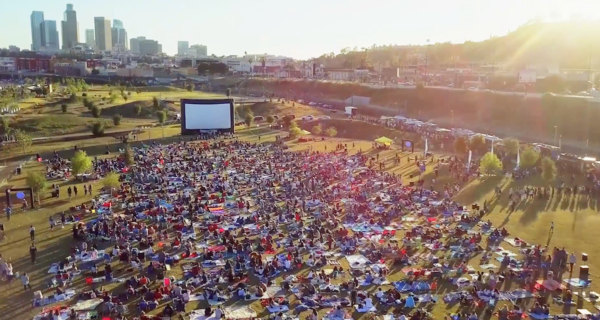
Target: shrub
point(117, 119)
point(63, 107)
point(84, 94)
point(331, 131)
point(318, 129)
point(98, 129)
point(96, 111)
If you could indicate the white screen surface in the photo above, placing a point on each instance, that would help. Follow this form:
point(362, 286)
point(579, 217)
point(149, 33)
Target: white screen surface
point(207, 116)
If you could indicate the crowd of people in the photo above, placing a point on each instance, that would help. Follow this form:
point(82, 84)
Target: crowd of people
point(236, 217)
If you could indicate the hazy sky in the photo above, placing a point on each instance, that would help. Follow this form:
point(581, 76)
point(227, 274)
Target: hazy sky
point(300, 29)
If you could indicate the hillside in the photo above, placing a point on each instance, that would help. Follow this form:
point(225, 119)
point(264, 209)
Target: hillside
point(568, 44)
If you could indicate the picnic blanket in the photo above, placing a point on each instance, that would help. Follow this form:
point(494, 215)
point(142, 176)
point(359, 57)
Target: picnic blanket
point(357, 261)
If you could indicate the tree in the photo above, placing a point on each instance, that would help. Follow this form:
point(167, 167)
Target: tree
point(249, 119)
point(161, 116)
point(117, 119)
point(63, 107)
point(155, 104)
point(113, 98)
point(461, 145)
point(5, 124)
point(72, 98)
point(128, 156)
point(98, 129)
point(512, 145)
point(529, 157)
point(317, 129)
point(228, 92)
point(331, 132)
point(191, 87)
point(111, 181)
point(270, 119)
point(124, 96)
point(36, 180)
point(95, 111)
point(137, 109)
point(81, 163)
point(477, 143)
point(294, 132)
point(490, 163)
point(23, 139)
point(548, 169)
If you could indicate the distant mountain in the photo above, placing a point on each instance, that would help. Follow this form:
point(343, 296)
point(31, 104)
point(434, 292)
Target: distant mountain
point(568, 45)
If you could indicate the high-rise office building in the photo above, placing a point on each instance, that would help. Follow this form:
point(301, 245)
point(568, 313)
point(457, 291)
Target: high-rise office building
point(117, 24)
point(70, 28)
point(134, 44)
point(49, 35)
point(37, 17)
point(103, 34)
point(198, 51)
point(119, 35)
point(182, 47)
point(90, 39)
point(149, 47)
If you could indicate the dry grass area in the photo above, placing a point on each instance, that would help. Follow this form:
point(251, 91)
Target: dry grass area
point(39, 117)
point(574, 218)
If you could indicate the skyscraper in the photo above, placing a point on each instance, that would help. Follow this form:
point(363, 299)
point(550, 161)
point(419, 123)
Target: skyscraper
point(119, 35)
point(90, 39)
point(37, 17)
point(70, 28)
point(103, 34)
point(117, 24)
point(182, 47)
point(49, 35)
point(134, 44)
point(198, 51)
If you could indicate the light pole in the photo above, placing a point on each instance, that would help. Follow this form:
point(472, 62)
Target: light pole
point(555, 135)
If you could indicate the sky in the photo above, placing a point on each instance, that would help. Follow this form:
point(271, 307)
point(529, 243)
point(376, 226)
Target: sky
point(298, 29)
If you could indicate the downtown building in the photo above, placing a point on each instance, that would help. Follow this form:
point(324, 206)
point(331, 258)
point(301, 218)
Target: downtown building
point(36, 19)
point(70, 28)
point(119, 35)
point(103, 34)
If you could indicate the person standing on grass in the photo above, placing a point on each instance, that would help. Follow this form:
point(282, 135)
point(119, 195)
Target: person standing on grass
point(552, 226)
point(90, 188)
point(69, 192)
point(25, 281)
point(75, 190)
point(32, 232)
point(85, 191)
point(32, 252)
point(52, 223)
point(572, 260)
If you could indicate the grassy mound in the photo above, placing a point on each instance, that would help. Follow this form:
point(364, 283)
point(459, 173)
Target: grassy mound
point(128, 110)
point(50, 125)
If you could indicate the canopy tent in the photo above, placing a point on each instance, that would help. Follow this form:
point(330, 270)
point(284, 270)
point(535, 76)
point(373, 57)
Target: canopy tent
point(384, 140)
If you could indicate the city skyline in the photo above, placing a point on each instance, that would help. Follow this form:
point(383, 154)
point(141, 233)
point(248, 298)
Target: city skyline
point(234, 28)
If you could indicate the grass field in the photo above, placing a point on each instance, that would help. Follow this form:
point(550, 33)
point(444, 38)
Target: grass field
point(39, 117)
point(575, 220)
